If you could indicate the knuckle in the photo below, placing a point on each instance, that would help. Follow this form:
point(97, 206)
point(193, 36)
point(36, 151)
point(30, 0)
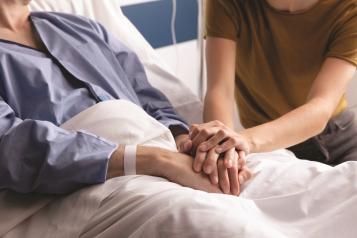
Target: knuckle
point(222, 133)
point(235, 140)
point(217, 122)
point(205, 132)
point(194, 126)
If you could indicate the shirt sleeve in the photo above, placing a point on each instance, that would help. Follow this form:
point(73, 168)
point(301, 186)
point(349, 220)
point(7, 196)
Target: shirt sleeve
point(37, 156)
point(220, 22)
point(343, 43)
point(154, 102)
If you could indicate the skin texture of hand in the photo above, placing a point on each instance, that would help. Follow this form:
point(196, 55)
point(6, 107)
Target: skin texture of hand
point(176, 167)
point(215, 134)
point(184, 144)
point(227, 169)
point(213, 139)
point(229, 178)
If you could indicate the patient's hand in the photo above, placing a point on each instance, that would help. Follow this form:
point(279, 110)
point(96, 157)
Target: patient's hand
point(176, 167)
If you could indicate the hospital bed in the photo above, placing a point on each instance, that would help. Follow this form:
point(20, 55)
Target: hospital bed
point(287, 197)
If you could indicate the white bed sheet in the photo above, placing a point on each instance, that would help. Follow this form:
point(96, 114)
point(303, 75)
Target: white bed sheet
point(286, 198)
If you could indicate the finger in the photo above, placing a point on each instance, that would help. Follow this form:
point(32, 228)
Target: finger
point(229, 158)
point(233, 178)
point(210, 164)
point(223, 177)
point(198, 161)
point(185, 146)
point(202, 136)
point(245, 174)
point(196, 128)
point(241, 160)
point(214, 176)
point(214, 140)
point(227, 145)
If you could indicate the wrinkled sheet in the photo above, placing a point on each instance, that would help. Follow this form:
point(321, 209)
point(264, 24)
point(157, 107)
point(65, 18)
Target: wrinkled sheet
point(287, 197)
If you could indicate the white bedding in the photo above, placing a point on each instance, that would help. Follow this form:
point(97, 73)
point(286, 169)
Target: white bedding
point(286, 198)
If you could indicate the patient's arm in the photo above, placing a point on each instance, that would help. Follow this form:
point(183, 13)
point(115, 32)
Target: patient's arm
point(38, 156)
point(176, 167)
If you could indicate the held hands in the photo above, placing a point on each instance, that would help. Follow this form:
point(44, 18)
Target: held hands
point(219, 152)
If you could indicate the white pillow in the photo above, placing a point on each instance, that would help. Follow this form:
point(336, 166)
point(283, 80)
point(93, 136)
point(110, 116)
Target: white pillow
point(108, 13)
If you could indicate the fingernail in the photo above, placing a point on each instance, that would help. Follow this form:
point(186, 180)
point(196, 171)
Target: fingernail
point(219, 150)
point(229, 163)
point(203, 147)
point(208, 169)
point(215, 180)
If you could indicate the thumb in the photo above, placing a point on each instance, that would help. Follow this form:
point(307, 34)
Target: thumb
point(185, 146)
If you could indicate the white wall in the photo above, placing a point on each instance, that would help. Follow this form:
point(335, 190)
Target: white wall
point(184, 60)
point(130, 2)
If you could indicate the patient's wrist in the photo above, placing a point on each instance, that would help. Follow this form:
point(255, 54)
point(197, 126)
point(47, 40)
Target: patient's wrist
point(151, 161)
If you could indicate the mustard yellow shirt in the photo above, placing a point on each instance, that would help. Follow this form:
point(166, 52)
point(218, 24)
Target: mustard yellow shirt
point(279, 54)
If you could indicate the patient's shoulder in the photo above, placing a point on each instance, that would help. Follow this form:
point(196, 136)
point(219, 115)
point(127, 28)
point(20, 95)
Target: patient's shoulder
point(60, 18)
point(65, 20)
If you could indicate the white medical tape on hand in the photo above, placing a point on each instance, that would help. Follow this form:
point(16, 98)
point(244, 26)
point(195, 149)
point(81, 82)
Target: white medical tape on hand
point(130, 160)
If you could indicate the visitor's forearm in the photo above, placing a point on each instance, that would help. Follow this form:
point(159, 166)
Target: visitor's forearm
point(290, 129)
point(219, 107)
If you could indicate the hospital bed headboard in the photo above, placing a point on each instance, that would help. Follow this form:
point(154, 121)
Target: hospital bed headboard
point(108, 13)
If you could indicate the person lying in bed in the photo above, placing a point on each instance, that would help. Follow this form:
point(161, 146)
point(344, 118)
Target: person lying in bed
point(52, 67)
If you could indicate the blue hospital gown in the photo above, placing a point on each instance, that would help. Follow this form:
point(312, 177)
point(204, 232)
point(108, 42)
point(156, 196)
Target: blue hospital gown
point(39, 91)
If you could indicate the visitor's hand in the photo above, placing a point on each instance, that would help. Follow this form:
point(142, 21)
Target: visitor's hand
point(216, 135)
point(229, 170)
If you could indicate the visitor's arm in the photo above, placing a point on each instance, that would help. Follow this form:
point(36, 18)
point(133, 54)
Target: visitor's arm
point(221, 63)
point(309, 119)
point(294, 127)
